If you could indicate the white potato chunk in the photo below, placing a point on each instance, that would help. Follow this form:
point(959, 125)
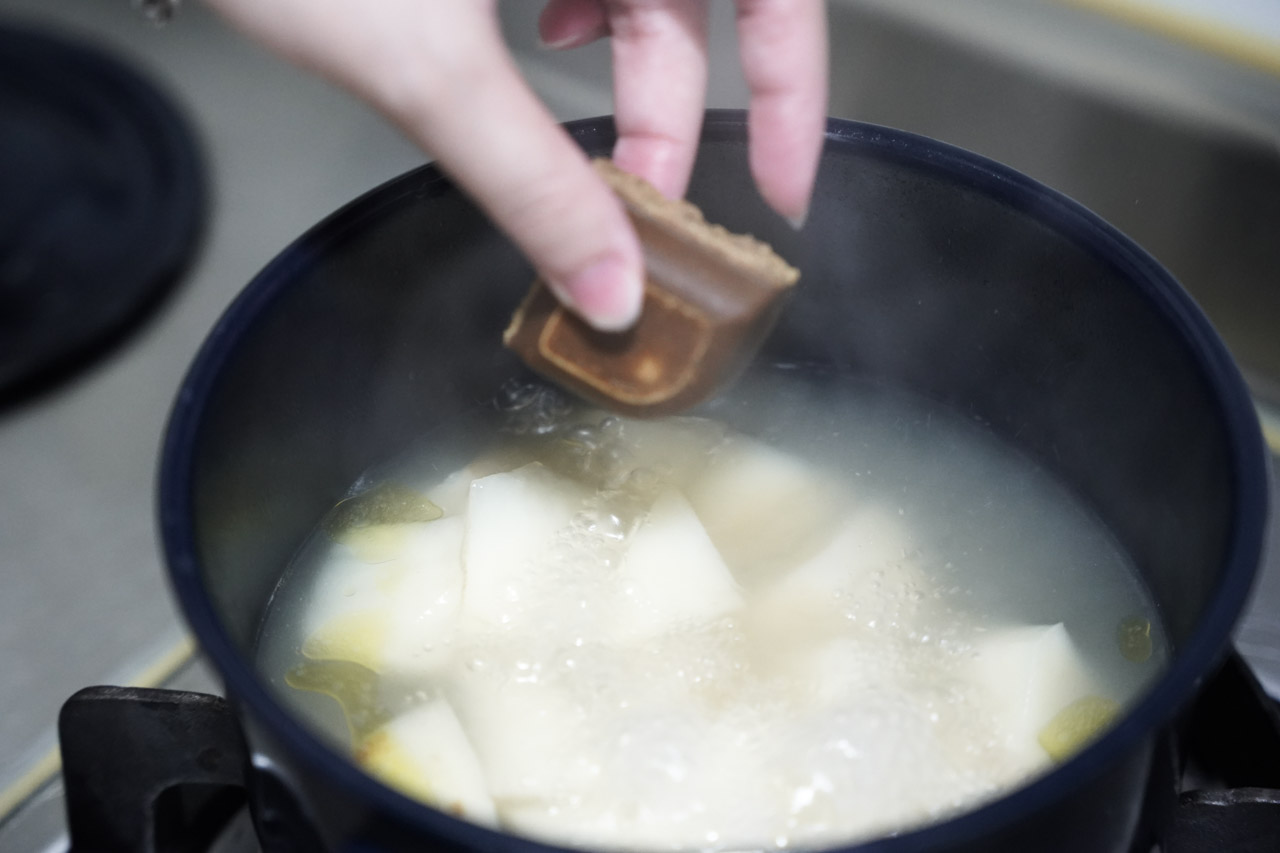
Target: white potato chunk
point(865, 576)
point(672, 574)
point(397, 617)
point(513, 521)
point(425, 754)
point(1030, 673)
point(763, 508)
point(528, 735)
point(452, 493)
point(872, 539)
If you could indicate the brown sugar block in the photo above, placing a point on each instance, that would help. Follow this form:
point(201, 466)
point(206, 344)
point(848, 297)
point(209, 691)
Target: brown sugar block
point(710, 298)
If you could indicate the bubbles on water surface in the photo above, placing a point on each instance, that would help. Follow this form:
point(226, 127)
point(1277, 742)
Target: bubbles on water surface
point(531, 409)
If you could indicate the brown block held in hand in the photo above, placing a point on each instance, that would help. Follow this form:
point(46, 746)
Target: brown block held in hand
point(710, 298)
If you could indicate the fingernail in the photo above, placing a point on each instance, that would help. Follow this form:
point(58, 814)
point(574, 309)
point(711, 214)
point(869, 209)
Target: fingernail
point(575, 36)
point(606, 294)
point(797, 222)
point(560, 43)
point(577, 39)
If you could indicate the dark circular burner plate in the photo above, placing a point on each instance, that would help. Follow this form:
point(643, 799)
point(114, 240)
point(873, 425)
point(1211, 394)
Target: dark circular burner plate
point(101, 204)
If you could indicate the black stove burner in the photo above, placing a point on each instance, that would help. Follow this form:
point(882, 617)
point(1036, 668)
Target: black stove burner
point(1228, 753)
point(101, 203)
point(151, 770)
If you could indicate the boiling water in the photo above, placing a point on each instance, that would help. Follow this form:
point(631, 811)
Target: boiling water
point(841, 616)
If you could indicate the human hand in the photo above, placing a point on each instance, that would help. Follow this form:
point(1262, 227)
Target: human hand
point(440, 70)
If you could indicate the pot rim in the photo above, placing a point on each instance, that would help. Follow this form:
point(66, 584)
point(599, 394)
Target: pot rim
point(1175, 686)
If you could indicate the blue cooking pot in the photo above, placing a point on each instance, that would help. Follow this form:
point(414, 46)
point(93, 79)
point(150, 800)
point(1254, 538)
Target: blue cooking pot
point(924, 267)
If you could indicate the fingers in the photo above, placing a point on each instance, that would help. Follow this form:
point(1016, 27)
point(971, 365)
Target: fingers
point(501, 144)
point(572, 23)
point(660, 81)
point(440, 69)
point(660, 68)
point(783, 44)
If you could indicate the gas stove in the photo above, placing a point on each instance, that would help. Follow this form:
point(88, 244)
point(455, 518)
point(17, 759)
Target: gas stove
point(282, 151)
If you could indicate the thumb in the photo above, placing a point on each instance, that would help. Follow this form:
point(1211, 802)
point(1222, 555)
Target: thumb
point(442, 71)
point(498, 141)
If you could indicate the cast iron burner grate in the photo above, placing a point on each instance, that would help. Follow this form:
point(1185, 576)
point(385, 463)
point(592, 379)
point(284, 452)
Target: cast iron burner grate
point(101, 204)
point(155, 771)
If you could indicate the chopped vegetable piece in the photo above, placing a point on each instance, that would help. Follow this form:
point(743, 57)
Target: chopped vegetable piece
point(377, 543)
point(1030, 672)
point(671, 575)
point(354, 687)
point(1134, 638)
point(396, 618)
point(530, 736)
point(764, 509)
point(1076, 725)
point(379, 755)
point(512, 522)
point(426, 755)
point(386, 503)
point(358, 637)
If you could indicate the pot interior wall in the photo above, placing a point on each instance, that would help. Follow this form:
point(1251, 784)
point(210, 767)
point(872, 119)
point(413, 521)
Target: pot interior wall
point(384, 324)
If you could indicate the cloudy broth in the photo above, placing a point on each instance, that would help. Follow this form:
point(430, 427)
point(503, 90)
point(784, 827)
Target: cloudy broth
point(803, 617)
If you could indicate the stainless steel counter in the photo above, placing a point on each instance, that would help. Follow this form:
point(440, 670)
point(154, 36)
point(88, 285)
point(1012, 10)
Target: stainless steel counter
point(83, 598)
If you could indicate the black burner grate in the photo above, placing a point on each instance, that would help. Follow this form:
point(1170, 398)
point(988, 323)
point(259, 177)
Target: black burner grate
point(162, 770)
point(102, 201)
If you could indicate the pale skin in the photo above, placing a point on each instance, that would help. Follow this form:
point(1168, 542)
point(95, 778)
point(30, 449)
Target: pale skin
point(440, 70)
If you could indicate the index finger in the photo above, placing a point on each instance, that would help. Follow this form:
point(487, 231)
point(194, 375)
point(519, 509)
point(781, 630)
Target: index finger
point(660, 83)
point(783, 46)
point(499, 142)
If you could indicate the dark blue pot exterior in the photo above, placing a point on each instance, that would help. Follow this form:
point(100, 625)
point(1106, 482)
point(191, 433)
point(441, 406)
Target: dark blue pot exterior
point(923, 266)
